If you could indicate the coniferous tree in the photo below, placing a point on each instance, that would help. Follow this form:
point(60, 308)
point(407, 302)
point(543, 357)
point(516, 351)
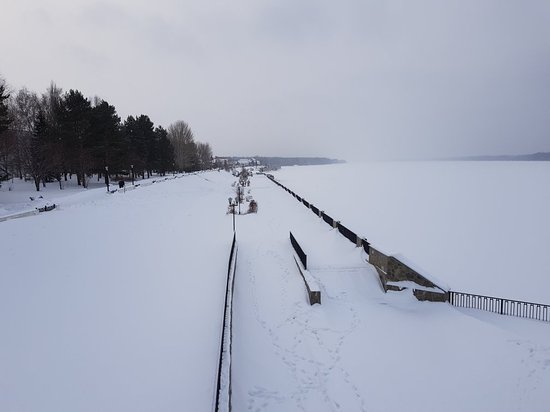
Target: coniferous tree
point(5, 120)
point(139, 133)
point(152, 143)
point(37, 162)
point(165, 151)
point(107, 146)
point(6, 139)
point(75, 131)
point(64, 134)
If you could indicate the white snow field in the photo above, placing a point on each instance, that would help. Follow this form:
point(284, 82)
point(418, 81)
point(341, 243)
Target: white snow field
point(361, 349)
point(19, 196)
point(114, 303)
point(480, 227)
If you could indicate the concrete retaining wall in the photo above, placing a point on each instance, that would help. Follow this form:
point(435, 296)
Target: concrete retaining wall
point(392, 272)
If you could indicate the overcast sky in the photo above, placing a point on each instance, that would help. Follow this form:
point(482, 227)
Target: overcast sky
point(353, 79)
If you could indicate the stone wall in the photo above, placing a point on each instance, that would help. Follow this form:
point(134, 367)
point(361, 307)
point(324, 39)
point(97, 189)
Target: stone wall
point(390, 269)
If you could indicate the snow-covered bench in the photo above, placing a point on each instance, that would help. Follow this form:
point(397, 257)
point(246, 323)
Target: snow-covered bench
point(313, 292)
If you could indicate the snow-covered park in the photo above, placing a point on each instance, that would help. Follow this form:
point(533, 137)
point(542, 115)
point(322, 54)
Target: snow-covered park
point(114, 302)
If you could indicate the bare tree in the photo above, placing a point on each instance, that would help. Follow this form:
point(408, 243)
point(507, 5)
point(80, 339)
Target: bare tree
point(51, 104)
point(24, 108)
point(185, 149)
point(204, 152)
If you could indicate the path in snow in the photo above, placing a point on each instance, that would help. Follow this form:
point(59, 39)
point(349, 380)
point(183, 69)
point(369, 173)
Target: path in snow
point(363, 350)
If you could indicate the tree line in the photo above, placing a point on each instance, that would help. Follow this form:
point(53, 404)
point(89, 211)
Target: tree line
point(56, 135)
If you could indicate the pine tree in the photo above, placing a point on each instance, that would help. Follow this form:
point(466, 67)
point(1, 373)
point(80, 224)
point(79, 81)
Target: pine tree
point(75, 131)
point(165, 152)
point(4, 115)
point(141, 138)
point(37, 162)
point(106, 141)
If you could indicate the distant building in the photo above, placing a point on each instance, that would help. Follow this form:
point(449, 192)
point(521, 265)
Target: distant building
point(246, 162)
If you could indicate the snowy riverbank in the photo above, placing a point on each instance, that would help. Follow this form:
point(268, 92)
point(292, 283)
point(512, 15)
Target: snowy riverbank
point(114, 303)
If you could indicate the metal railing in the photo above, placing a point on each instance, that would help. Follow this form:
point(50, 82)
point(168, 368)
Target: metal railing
point(328, 220)
point(348, 234)
point(227, 332)
point(501, 306)
point(314, 209)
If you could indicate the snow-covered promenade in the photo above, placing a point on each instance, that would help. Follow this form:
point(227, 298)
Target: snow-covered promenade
point(361, 349)
point(114, 303)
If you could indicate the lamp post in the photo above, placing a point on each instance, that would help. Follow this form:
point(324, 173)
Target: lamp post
point(232, 204)
point(107, 178)
point(239, 197)
point(132, 167)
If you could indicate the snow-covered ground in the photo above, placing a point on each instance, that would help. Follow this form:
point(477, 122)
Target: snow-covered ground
point(361, 349)
point(18, 195)
point(114, 303)
point(480, 227)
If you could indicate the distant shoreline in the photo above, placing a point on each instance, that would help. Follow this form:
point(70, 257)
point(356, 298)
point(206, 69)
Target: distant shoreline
point(275, 161)
point(540, 156)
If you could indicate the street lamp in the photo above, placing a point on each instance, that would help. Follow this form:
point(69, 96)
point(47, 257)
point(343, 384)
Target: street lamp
point(107, 178)
point(132, 167)
point(232, 204)
point(239, 197)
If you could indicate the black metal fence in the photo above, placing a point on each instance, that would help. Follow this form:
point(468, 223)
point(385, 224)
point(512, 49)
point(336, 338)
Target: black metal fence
point(299, 251)
point(314, 209)
point(501, 306)
point(227, 318)
point(348, 234)
point(366, 246)
point(328, 219)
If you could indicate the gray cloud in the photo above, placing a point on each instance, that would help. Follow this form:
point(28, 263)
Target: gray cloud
point(353, 79)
